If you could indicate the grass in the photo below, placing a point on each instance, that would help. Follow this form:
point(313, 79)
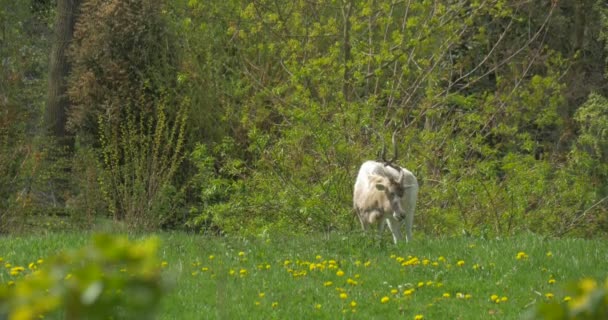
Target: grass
point(350, 276)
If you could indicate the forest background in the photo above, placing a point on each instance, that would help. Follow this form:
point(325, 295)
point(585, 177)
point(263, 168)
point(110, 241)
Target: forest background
point(253, 116)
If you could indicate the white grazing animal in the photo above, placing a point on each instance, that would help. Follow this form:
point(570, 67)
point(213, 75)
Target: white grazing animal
point(386, 193)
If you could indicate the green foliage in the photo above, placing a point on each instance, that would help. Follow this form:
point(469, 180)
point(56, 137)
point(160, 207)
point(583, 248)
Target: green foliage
point(140, 158)
point(126, 103)
point(110, 278)
point(585, 300)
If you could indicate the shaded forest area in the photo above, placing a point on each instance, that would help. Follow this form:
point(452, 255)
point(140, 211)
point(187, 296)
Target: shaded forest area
point(253, 116)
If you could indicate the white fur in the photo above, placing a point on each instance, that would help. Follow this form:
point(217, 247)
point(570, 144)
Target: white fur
point(373, 206)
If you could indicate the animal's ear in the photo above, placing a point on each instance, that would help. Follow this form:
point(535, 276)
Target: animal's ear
point(380, 186)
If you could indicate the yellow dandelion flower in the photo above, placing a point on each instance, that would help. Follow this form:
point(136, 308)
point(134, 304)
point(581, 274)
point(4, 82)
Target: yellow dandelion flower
point(459, 295)
point(343, 295)
point(261, 294)
point(549, 295)
point(232, 272)
point(241, 254)
point(441, 259)
point(367, 263)
point(243, 272)
point(567, 298)
point(426, 262)
point(194, 273)
point(205, 269)
point(351, 282)
point(504, 299)
point(353, 304)
point(408, 292)
point(435, 264)
point(446, 295)
point(40, 261)
point(521, 256)
point(476, 266)
point(429, 283)
point(8, 265)
point(257, 303)
point(275, 305)
point(16, 270)
point(494, 297)
point(328, 283)
point(549, 254)
point(551, 281)
point(340, 273)
point(394, 291)
point(211, 257)
point(460, 263)
point(318, 257)
point(468, 296)
point(32, 266)
point(420, 284)
point(385, 299)
point(164, 264)
point(318, 306)
point(419, 317)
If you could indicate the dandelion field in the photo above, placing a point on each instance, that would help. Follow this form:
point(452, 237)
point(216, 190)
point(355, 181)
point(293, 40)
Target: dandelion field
point(347, 275)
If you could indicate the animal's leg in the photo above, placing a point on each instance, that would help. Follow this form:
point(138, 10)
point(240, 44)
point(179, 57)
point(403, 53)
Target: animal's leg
point(395, 227)
point(409, 220)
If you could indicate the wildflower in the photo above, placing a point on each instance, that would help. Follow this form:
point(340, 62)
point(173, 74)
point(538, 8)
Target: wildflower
point(343, 295)
point(16, 270)
point(32, 266)
point(194, 273)
point(567, 298)
point(318, 257)
point(353, 304)
point(468, 296)
point(205, 269)
point(426, 262)
point(211, 257)
point(441, 259)
point(460, 263)
point(241, 254)
point(521, 256)
point(232, 272)
point(328, 283)
point(551, 281)
point(408, 292)
point(394, 291)
point(476, 266)
point(351, 282)
point(39, 261)
point(164, 264)
point(340, 273)
point(318, 306)
point(446, 295)
point(275, 304)
point(503, 299)
point(8, 265)
point(429, 283)
point(459, 295)
point(243, 272)
point(420, 284)
point(367, 263)
point(418, 317)
point(385, 299)
point(549, 254)
point(494, 298)
point(549, 295)
point(261, 294)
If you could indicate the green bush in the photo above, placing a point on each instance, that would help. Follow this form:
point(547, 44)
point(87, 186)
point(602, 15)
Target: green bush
point(112, 278)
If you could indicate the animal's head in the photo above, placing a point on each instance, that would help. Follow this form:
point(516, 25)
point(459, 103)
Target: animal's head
point(393, 189)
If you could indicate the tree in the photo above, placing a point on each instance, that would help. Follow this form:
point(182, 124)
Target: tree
point(59, 68)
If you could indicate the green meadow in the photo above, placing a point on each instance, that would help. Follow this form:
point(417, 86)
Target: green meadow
point(347, 276)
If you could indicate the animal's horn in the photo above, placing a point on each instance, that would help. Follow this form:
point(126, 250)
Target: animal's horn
point(395, 154)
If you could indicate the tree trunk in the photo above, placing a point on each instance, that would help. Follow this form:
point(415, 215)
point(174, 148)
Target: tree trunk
point(57, 101)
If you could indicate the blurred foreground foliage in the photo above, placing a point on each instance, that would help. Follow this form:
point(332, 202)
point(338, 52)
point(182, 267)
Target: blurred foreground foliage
point(111, 278)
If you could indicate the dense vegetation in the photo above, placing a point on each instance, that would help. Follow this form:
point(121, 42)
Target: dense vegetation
point(247, 117)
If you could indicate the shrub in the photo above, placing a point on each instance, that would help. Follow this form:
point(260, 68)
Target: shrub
point(110, 278)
